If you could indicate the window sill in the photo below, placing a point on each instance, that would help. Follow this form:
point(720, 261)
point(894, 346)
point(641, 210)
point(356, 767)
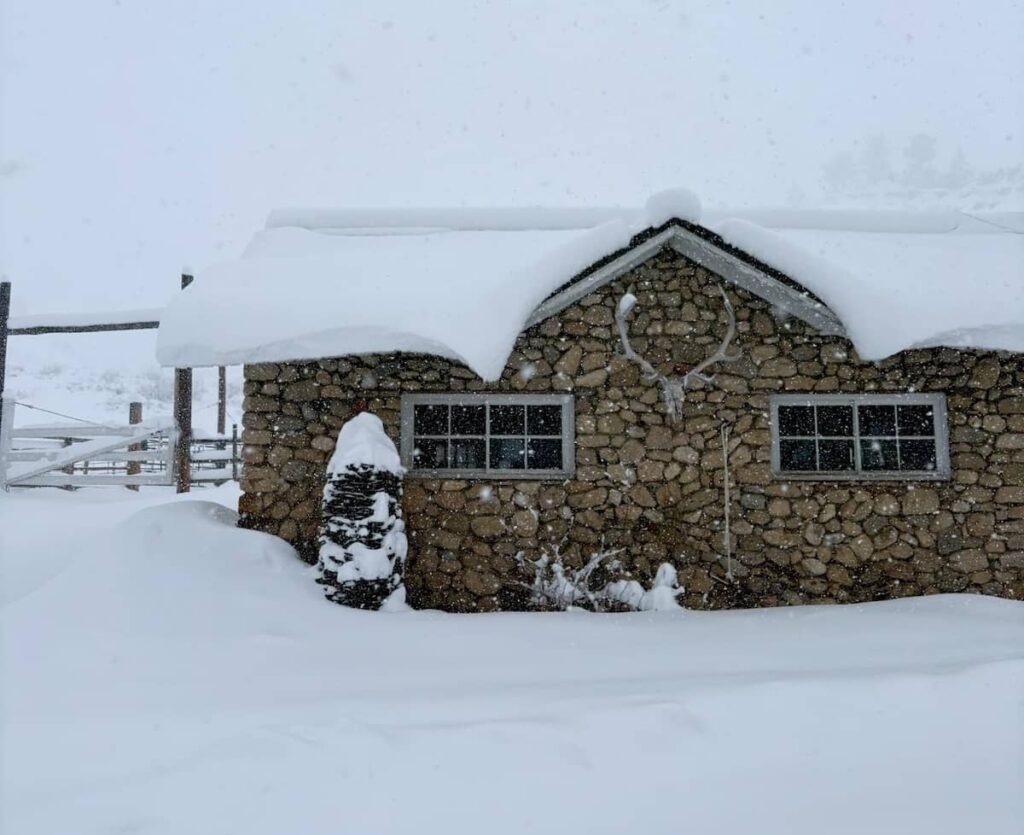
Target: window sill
point(484, 475)
point(863, 477)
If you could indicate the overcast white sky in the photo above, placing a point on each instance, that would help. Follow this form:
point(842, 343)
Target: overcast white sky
point(141, 136)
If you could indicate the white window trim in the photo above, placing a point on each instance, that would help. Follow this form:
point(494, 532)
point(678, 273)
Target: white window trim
point(936, 401)
point(566, 401)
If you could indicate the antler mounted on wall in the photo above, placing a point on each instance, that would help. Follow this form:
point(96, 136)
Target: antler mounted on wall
point(673, 389)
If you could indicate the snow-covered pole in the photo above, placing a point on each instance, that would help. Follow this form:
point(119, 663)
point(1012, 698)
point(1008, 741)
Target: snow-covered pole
point(134, 418)
point(183, 420)
point(6, 429)
point(222, 399)
point(5, 318)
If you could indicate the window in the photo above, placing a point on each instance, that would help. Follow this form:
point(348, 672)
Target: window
point(503, 435)
point(864, 436)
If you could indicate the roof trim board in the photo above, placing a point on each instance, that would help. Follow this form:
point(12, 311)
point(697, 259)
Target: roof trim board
point(711, 257)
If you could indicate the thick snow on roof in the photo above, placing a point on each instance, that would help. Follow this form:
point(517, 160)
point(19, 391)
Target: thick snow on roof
point(300, 294)
point(905, 281)
point(446, 287)
point(461, 283)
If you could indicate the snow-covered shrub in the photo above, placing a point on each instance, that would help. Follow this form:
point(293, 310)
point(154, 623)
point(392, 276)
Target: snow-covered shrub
point(660, 596)
point(555, 586)
point(362, 535)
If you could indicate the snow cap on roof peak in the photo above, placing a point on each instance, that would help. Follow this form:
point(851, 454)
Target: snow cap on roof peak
point(663, 206)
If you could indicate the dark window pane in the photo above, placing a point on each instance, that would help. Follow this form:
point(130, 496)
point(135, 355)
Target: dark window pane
point(544, 420)
point(917, 455)
point(430, 454)
point(430, 420)
point(508, 420)
point(508, 454)
point(544, 454)
point(835, 420)
point(796, 420)
point(796, 455)
point(469, 453)
point(878, 455)
point(468, 420)
point(835, 456)
point(877, 420)
point(916, 420)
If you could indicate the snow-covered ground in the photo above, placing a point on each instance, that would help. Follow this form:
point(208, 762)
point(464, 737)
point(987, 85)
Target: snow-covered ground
point(164, 672)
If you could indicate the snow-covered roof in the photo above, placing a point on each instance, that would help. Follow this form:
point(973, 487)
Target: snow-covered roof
point(462, 283)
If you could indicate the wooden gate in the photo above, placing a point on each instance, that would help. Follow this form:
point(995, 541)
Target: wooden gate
point(96, 455)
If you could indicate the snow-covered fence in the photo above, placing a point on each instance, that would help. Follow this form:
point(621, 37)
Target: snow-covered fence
point(121, 320)
point(90, 455)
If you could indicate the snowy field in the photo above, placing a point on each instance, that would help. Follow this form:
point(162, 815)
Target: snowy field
point(94, 377)
point(164, 672)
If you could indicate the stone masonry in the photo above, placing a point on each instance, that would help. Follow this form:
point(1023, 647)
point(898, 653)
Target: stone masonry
point(654, 488)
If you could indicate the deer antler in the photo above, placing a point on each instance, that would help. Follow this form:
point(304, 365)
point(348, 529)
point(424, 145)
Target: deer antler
point(673, 389)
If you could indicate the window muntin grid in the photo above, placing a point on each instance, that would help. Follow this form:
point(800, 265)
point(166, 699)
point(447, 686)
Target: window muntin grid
point(476, 435)
point(896, 436)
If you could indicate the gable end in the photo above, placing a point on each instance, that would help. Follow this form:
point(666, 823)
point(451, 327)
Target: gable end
point(708, 250)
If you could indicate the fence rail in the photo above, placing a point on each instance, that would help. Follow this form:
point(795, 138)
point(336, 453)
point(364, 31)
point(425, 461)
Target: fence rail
point(90, 455)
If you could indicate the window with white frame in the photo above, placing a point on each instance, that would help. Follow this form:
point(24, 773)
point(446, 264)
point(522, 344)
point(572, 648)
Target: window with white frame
point(861, 436)
point(488, 435)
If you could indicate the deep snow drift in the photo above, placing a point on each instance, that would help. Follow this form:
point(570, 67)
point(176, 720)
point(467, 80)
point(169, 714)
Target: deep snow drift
point(164, 672)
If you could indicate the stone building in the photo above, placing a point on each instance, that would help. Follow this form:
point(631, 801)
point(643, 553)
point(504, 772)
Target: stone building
point(851, 478)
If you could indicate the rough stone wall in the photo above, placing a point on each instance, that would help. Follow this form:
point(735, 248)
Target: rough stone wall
point(653, 488)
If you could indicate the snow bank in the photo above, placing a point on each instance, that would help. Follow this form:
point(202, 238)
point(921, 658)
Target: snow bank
point(178, 674)
point(461, 283)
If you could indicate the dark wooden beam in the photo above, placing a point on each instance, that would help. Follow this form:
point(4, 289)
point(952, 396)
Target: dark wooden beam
point(39, 330)
point(5, 315)
point(222, 399)
point(183, 420)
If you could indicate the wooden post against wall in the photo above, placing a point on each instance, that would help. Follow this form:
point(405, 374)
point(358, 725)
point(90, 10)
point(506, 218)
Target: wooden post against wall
point(222, 399)
point(5, 315)
point(183, 420)
point(134, 417)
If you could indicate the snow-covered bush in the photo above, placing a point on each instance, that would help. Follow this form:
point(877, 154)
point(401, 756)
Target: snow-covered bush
point(660, 596)
point(362, 535)
point(555, 586)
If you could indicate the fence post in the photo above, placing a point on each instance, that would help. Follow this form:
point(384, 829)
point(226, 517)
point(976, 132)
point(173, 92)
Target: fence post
point(222, 399)
point(234, 452)
point(70, 468)
point(6, 432)
point(183, 420)
point(5, 316)
point(134, 417)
